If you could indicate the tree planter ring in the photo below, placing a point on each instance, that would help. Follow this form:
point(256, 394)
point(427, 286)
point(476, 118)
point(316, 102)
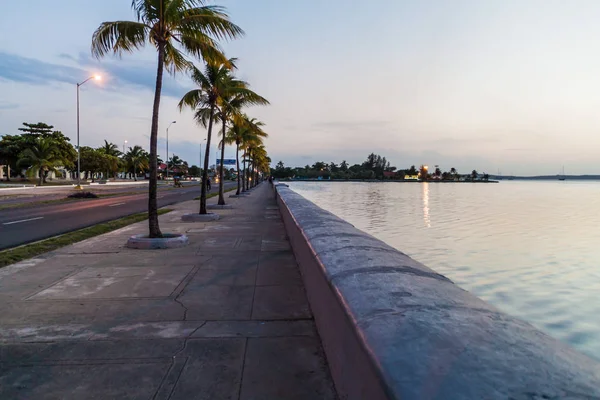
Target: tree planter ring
point(199, 217)
point(168, 241)
point(219, 207)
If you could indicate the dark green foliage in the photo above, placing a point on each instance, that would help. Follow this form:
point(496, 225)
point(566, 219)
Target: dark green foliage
point(13, 146)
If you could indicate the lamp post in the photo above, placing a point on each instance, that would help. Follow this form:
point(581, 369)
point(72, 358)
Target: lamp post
point(174, 122)
point(124, 143)
point(78, 187)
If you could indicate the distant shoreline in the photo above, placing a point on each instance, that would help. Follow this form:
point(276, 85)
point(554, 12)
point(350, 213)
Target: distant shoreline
point(549, 178)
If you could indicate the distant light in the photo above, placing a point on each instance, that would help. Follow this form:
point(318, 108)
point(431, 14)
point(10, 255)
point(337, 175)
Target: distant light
point(97, 77)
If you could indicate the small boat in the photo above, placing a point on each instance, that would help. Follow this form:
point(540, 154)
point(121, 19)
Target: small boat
point(562, 177)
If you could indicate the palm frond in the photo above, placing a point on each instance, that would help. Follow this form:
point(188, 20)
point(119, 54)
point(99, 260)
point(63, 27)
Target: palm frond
point(212, 20)
point(118, 37)
point(191, 99)
point(202, 115)
point(145, 10)
point(176, 6)
point(175, 61)
point(203, 47)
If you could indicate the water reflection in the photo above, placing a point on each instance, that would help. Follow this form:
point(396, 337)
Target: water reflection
point(529, 248)
point(426, 218)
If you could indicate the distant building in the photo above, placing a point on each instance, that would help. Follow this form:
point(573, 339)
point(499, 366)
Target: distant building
point(411, 177)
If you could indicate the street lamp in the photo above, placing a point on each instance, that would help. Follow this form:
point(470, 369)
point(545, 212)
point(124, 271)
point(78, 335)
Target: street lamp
point(174, 122)
point(124, 143)
point(78, 187)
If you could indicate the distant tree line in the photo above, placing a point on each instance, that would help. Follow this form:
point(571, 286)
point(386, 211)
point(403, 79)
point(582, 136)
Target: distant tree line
point(40, 150)
point(375, 167)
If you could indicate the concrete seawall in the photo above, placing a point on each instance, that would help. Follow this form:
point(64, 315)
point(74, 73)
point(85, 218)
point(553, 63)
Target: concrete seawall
point(394, 329)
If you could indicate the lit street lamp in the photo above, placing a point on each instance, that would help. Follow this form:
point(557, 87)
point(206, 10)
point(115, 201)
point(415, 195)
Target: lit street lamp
point(174, 122)
point(124, 143)
point(78, 187)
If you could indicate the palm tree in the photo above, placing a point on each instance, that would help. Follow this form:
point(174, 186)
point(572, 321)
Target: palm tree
point(474, 174)
point(170, 26)
point(42, 157)
point(203, 100)
point(235, 96)
point(259, 161)
point(137, 159)
point(110, 149)
point(453, 172)
point(174, 162)
point(243, 130)
point(112, 152)
point(256, 155)
point(249, 146)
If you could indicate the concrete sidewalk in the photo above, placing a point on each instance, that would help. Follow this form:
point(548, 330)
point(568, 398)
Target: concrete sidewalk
point(224, 318)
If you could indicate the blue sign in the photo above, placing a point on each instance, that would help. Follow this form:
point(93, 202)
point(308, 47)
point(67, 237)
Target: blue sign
point(226, 161)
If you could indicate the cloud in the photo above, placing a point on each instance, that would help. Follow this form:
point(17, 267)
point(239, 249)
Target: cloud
point(349, 125)
point(8, 106)
point(141, 74)
point(29, 70)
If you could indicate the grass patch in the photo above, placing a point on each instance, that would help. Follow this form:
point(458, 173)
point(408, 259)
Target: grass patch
point(215, 194)
point(26, 251)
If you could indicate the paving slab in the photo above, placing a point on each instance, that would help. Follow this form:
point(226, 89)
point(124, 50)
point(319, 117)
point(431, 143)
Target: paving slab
point(304, 374)
point(224, 318)
point(280, 302)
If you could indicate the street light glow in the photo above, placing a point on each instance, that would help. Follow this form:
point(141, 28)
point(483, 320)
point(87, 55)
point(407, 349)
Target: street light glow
point(97, 77)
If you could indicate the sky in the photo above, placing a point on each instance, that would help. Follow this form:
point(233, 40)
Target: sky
point(507, 85)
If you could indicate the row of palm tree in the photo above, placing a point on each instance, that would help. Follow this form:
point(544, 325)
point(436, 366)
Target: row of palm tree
point(219, 97)
point(177, 28)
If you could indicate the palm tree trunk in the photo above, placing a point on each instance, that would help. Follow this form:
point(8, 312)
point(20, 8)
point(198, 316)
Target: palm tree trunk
point(153, 184)
point(237, 161)
point(221, 173)
point(246, 165)
point(247, 170)
point(41, 177)
point(244, 179)
point(251, 173)
point(206, 156)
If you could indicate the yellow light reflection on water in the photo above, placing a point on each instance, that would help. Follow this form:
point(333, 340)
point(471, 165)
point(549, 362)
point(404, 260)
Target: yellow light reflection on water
point(426, 218)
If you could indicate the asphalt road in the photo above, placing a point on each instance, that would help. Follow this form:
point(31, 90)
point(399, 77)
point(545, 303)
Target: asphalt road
point(23, 225)
point(60, 192)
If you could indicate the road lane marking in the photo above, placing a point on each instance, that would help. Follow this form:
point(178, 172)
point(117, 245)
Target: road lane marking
point(23, 220)
point(118, 204)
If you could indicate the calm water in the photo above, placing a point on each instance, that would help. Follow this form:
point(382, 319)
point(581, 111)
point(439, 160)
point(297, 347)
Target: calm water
point(530, 248)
